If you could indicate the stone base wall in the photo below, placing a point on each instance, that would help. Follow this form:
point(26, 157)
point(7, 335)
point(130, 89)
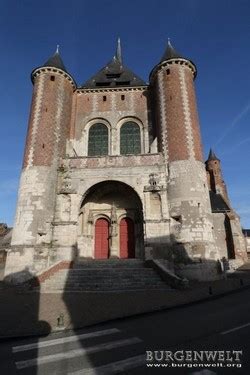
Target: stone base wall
point(25, 262)
point(35, 206)
point(207, 271)
point(190, 209)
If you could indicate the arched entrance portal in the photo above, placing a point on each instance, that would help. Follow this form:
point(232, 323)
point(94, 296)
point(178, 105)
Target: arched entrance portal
point(127, 238)
point(111, 222)
point(101, 239)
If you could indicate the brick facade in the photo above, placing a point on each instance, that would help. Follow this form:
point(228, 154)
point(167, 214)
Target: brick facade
point(163, 190)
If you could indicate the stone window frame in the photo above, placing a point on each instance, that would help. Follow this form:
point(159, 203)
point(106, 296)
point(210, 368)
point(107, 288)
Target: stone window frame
point(137, 121)
point(90, 123)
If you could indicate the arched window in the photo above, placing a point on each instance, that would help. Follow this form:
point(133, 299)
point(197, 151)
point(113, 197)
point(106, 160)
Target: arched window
point(130, 138)
point(98, 140)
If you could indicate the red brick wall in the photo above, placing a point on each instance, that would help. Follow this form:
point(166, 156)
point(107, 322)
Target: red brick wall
point(176, 136)
point(216, 180)
point(90, 105)
point(198, 149)
point(49, 139)
point(50, 272)
point(173, 111)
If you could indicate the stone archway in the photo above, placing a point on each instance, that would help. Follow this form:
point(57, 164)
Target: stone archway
point(117, 203)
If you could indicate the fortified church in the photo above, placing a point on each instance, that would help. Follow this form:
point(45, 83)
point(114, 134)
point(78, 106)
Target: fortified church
point(114, 168)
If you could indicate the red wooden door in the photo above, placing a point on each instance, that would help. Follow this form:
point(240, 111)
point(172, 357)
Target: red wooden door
point(127, 238)
point(101, 239)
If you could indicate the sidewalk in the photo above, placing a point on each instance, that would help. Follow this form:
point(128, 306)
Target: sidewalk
point(32, 313)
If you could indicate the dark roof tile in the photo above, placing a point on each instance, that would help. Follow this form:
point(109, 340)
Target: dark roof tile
point(55, 61)
point(114, 74)
point(212, 155)
point(171, 53)
point(218, 204)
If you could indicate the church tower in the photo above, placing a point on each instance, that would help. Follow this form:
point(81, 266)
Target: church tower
point(113, 168)
point(215, 179)
point(48, 128)
point(178, 131)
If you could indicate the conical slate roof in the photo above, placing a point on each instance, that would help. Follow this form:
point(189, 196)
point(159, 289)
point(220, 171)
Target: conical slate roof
point(55, 61)
point(212, 155)
point(171, 53)
point(114, 74)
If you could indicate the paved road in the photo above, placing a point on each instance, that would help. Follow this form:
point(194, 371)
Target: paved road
point(120, 346)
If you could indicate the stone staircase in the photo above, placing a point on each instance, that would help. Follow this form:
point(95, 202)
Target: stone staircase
point(105, 275)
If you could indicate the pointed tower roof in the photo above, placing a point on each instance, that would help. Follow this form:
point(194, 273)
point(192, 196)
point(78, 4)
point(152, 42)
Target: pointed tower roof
point(171, 56)
point(56, 61)
point(171, 53)
point(114, 74)
point(212, 155)
point(118, 54)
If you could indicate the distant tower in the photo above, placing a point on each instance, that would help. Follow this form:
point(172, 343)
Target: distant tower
point(215, 179)
point(48, 130)
point(179, 140)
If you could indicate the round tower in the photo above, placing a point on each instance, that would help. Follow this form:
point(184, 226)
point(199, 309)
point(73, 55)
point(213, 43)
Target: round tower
point(216, 182)
point(48, 130)
point(178, 133)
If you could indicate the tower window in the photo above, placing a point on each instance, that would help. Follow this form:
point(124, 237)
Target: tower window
point(113, 75)
point(122, 83)
point(98, 140)
point(168, 72)
point(102, 84)
point(122, 97)
point(52, 78)
point(130, 138)
point(104, 98)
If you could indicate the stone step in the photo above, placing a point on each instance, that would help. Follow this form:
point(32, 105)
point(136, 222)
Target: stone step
point(75, 279)
point(93, 282)
point(102, 275)
point(105, 287)
point(106, 270)
point(109, 263)
point(105, 275)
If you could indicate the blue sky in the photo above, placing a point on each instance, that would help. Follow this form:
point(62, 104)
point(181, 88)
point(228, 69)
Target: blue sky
point(214, 34)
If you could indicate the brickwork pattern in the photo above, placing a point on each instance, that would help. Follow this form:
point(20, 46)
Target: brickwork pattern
point(111, 108)
point(216, 182)
point(49, 120)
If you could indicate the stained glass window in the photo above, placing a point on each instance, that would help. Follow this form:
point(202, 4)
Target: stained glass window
point(98, 140)
point(130, 138)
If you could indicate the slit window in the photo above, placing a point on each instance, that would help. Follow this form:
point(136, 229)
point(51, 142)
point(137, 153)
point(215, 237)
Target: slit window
point(122, 97)
point(52, 78)
point(104, 98)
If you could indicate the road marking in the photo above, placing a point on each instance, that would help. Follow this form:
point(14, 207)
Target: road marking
point(44, 344)
point(235, 329)
point(75, 353)
point(114, 367)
